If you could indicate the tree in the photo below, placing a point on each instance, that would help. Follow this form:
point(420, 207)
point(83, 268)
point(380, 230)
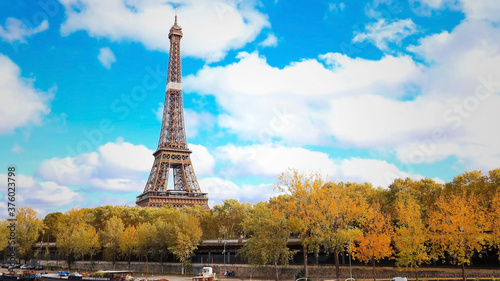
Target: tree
point(495, 225)
point(410, 234)
point(268, 236)
point(342, 208)
point(146, 233)
point(300, 205)
point(128, 242)
point(88, 243)
point(228, 218)
point(184, 237)
point(458, 226)
point(50, 221)
point(70, 227)
point(375, 242)
point(4, 234)
point(28, 229)
point(110, 237)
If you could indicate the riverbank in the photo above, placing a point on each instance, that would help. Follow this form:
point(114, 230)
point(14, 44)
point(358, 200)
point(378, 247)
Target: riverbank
point(248, 272)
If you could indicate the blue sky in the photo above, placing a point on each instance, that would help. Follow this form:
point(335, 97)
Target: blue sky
point(364, 91)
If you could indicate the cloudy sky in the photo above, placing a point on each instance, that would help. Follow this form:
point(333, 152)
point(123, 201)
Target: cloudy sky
point(363, 91)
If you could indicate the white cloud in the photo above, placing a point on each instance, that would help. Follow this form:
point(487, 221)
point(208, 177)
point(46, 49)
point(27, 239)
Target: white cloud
point(270, 41)
point(219, 189)
point(119, 166)
point(16, 31)
point(210, 28)
point(17, 148)
point(203, 161)
point(332, 7)
point(106, 57)
point(270, 161)
point(473, 9)
point(375, 121)
point(115, 166)
point(194, 121)
point(392, 103)
point(21, 104)
point(285, 101)
point(197, 121)
point(40, 194)
point(382, 33)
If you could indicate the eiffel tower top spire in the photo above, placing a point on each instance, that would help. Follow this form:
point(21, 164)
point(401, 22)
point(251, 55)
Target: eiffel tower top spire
point(175, 23)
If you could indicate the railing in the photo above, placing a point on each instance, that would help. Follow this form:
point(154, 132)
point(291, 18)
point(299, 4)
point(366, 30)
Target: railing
point(172, 193)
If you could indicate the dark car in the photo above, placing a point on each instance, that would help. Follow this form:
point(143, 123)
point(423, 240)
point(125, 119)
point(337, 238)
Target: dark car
point(39, 267)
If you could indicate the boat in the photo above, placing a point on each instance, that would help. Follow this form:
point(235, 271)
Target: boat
point(20, 276)
point(103, 275)
point(61, 275)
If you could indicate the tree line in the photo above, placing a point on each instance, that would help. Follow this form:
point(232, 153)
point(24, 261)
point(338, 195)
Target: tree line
point(412, 221)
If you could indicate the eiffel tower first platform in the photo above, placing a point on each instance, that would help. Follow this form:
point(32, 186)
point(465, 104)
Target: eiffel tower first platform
point(172, 152)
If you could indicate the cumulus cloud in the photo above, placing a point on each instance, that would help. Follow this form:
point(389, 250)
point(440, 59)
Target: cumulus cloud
point(392, 103)
point(221, 189)
point(210, 28)
point(40, 195)
point(270, 41)
point(270, 161)
point(115, 166)
point(203, 161)
point(382, 33)
point(21, 104)
point(106, 57)
point(483, 10)
point(119, 166)
point(285, 101)
point(17, 31)
point(193, 120)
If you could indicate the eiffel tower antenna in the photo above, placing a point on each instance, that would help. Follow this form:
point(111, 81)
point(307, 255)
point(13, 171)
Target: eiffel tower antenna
point(175, 23)
point(172, 152)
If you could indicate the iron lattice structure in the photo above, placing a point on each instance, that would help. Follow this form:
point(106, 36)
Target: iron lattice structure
point(172, 152)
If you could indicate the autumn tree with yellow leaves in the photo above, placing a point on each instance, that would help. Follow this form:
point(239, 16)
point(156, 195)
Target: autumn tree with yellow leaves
point(128, 242)
point(458, 226)
point(374, 243)
point(300, 206)
point(28, 229)
point(268, 235)
point(343, 207)
point(410, 233)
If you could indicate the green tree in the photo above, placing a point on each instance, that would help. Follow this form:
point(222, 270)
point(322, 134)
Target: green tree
point(28, 229)
point(110, 237)
point(268, 236)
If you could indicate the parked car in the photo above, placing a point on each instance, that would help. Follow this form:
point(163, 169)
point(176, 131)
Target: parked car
point(24, 266)
point(39, 267)
point(399, 279)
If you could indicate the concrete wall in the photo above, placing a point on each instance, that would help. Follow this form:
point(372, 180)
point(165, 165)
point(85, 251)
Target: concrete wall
point(321, 272)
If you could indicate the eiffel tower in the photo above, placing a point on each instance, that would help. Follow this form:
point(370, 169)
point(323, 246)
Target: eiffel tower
point(172, 152)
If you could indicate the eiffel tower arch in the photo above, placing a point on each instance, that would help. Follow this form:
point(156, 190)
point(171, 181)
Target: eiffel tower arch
point(172, 152)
